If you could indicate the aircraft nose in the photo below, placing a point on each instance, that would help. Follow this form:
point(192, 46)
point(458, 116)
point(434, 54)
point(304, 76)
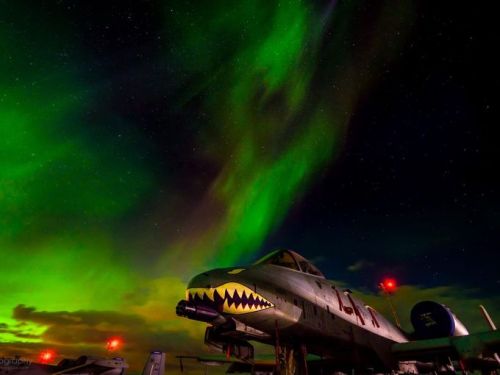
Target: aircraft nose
point(203, 280)
point(211, 279)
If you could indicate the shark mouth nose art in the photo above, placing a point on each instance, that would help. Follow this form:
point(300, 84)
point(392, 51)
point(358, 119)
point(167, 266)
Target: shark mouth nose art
point(232, 298)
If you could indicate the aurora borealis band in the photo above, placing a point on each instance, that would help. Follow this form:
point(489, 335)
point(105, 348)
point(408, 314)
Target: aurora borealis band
point(143, 142)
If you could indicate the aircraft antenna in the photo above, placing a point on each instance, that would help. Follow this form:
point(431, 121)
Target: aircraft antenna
point(492, 325)
point(388, 287)
point(487, 317)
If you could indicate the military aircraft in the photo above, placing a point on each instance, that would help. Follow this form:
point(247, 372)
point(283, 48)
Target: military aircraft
point(285, 301)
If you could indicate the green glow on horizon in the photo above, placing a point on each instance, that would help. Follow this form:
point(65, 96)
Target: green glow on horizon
point(60, 190)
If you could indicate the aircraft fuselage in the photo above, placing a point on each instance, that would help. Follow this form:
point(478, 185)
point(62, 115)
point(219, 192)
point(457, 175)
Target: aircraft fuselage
point(272, 302)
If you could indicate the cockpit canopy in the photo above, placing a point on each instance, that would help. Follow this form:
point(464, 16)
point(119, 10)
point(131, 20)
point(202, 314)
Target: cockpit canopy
point(290, 259)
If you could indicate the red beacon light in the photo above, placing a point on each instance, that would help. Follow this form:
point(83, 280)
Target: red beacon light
point(388, 285)
point(47, 356)
point(113, 344)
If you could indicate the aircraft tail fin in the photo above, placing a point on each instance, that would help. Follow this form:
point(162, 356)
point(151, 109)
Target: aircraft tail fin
point(155, 364)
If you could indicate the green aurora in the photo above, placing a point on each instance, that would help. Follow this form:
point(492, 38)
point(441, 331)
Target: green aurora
point(72, 177)
point(273, 132)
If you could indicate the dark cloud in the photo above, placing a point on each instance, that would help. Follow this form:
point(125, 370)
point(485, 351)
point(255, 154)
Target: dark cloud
point(82, 318)
point(17, 331)
point(359, 265)
point(19, 334)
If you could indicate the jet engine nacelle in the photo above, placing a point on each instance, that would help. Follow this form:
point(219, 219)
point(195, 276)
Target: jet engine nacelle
point(432, 320)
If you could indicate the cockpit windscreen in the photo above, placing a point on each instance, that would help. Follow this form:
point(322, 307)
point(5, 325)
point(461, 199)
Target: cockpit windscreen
point(292, 260)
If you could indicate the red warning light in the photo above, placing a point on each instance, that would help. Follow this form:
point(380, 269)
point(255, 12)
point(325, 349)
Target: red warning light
point(389, 285)
point(113, 344)
point(46, 356)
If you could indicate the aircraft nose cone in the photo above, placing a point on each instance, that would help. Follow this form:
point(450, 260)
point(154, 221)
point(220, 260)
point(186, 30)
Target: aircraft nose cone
point(225, 292)
point(211, 279)
point(203, 280)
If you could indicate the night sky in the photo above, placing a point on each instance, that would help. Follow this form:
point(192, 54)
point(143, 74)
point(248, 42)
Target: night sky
point(143, 142)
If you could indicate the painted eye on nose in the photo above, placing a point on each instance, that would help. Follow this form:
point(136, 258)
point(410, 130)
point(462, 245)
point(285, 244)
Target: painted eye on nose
point(235, 271)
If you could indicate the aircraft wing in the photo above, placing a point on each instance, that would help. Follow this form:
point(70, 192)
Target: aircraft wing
point(468, 348)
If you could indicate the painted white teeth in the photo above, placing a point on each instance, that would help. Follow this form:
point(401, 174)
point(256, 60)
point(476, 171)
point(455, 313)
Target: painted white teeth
point(238, 299)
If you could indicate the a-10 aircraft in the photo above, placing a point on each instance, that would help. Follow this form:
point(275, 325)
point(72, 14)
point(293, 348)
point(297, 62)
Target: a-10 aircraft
point(285, 301)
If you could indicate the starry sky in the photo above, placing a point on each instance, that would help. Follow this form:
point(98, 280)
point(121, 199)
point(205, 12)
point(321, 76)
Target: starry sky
point(142, 142)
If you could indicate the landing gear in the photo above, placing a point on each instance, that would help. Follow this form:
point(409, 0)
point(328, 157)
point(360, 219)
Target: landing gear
point(291, 360)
